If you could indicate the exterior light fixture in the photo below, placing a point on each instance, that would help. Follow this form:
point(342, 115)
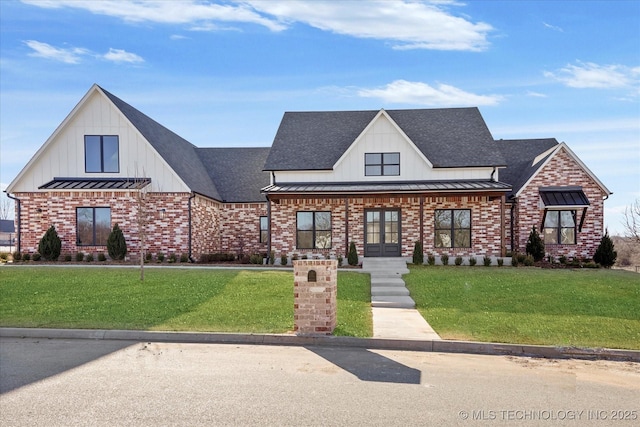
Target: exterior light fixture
point(161, 213)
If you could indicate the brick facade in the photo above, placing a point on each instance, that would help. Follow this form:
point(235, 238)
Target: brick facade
point(562, 170)
point(315, 291)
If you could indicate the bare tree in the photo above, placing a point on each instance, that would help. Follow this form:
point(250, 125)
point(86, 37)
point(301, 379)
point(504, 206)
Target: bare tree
point(632, 221)
point(142, 215)
point(6, 207)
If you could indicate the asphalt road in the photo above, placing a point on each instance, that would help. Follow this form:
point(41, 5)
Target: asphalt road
point(96, 383)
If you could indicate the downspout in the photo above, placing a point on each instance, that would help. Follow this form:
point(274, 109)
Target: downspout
point(18, 248)
point(503, 248)
point(191, 197)
point(422, 222)
point(493, 173)
point(269, 231)
point(346, 227)
point(512, 226)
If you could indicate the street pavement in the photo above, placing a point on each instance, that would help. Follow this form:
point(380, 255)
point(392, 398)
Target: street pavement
point(66, 382)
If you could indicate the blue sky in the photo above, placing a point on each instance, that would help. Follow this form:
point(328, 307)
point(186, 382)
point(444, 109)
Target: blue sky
point(222, 73)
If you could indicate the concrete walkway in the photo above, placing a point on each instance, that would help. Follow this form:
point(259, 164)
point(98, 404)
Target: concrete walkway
point(394, 313)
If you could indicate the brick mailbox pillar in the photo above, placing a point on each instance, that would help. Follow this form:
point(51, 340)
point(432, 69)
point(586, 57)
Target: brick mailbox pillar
point(315, 291)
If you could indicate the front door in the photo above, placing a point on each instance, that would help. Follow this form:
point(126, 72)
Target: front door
point(382, 232)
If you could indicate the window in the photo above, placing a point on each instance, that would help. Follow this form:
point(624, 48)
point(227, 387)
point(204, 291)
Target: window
point(264, 229)
point(453, 228)
point(560, 228)
point(101, 154)
point(313, 230)
point(382, 164)
point(93, 226)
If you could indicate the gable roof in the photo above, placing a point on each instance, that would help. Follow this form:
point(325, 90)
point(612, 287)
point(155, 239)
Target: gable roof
point(179, 153)
point(448, 137)
point(237, 172)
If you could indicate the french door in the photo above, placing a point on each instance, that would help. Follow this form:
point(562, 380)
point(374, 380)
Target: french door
point(382, 232)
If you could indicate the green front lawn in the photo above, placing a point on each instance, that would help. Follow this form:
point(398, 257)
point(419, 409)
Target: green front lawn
point(169, 299)
point(584, 308)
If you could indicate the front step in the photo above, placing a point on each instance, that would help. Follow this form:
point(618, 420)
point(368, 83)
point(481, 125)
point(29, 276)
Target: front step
point(393, 302)
point(389, 291)
point(383, 281)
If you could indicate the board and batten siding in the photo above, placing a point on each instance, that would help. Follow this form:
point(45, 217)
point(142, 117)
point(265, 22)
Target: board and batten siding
point(64, 155)
point(382, 136)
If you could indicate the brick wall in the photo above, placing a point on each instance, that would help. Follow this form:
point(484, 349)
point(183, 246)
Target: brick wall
point(241, 230)
point(315, 302)
point(561, 170)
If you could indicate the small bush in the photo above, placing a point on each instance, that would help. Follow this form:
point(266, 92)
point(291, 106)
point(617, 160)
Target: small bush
point(172, 258)
point(89, 258)
point(605, 254)
point(102, 257)
point(79, 256)
point(148, 257)
point(255, 259)
point(4, 256)
point(562, 260)
point(340, 259)
point(472, 261)
point(418, 255)
point(352, 257)
point(521, 258)
point(116, 244)
point(67, 258)
point(500, 262)
point(17, 256)
point(160, 257)
point(294, 257)
point(514, 261)
point(272, 257)
point(445, 259)
point(26, 256)
point(590, 264)
point(458, 260)
point(37, 256)
point(486, 260)
point(431, 259)
point(535, 245)
point(529, 261)
point(284, 259)
point(50, 245)
point(184, 258)
point(304, 257)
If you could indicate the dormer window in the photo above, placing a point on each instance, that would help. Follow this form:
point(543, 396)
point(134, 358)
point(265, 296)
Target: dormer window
point(382, 164)
point(101, 154)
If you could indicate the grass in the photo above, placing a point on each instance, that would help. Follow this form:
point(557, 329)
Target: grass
point(169, 300)
point(583, 308)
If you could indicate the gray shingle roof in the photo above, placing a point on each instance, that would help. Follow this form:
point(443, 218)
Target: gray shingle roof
point(237, 172)
point(179, 153)
point(519, 154)
point(448, 137)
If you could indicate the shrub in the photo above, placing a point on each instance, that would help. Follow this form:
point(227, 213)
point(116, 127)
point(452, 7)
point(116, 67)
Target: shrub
point(458, 260)
point(272, 257)
point(116, 245)
point(535, 245)
point(521, 258)
point(431, 259)
point(67, 258)
point(528, 261)
point(294, 257)
point(605, 254)
point(172, 258)
point(50, 245)
point(591, 264)
point(148, 257)
point(514, 261)
point(26, 256)
point(160, 257)
point(418, 255)
point(89, 258)
point(79, 256)
point(562, 259)
point(352, 257)
point(102, 257)
point(37, 256)
point(500, 262)
point(304, 257)
point(17, 256)
point(283, 259)
point(184, 258)
point(255, 259)
point(445, 259)
point(4, 256)
point(486, 260)
point(340, 259)
point(472, 261)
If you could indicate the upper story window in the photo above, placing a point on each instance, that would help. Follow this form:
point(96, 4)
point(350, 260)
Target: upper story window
point(101, 153)
point(382, 164)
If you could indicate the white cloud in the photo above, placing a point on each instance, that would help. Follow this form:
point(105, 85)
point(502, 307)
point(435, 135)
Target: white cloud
point(590, 75)
point(553, 27)
point(165, 12)
point(418, 93)
point(408, 24)
point(71, 55)
point(119, 55)
point(536, 94)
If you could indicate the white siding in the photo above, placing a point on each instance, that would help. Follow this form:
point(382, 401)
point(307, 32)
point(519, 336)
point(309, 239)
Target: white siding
point(64, 155)
point(382, 136)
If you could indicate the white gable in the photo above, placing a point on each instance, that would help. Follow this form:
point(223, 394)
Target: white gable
point(382, 135)
point(62, 155)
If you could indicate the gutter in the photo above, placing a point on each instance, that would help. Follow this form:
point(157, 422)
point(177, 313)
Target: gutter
point(18, 246)
point(191, 197)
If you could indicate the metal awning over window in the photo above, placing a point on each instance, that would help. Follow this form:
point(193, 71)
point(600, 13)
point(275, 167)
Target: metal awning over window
point(96, 184)
point(564, 199)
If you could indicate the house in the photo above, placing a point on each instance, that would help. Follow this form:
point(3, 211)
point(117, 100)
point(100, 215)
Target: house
point(7, 235)
point(382, 179)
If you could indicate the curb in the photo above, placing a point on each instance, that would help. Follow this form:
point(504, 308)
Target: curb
point(439, 346)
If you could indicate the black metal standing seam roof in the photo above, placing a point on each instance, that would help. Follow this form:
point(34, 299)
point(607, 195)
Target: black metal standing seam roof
point(399, 187)
point(563, 196)
point(179, 153)
point(448, 137)
point(519, 155)
point(237, 172)
point(96, 184)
